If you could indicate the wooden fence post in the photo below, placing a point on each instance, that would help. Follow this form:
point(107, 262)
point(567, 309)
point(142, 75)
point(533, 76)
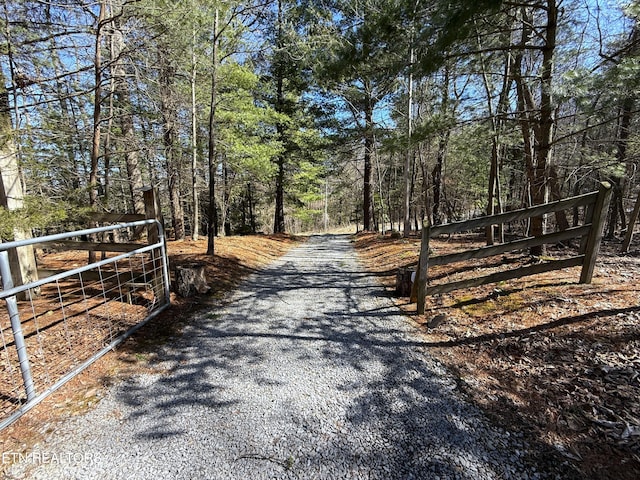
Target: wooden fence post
point(152, 210)
point(598, 218)
point(420, 284)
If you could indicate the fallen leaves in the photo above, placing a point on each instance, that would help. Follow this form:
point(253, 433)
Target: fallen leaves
point(544, 354)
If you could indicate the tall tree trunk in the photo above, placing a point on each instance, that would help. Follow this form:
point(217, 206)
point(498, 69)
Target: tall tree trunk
point(436, 179)
point(125, 118)
point(195, 219)
point(22, 260)
point(97, 99)
point(108, 137)
point(252, 217)
point(537, 132)
point(212, 161)
point(556, 194)
point(425, 211)
point(408, 158)
point(497, 120)
point(97, 106)
point(169, 118)
point(544, 139)
point(577, 185)
point(224, 207)
point(367, 200)
point(278, 221)
point(622, 140)
point(380, 173)
point(443, 141)
point(392, 180)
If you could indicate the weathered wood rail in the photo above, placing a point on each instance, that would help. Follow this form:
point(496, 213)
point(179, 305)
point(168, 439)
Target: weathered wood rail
point(131, 278)
point(590, 233)
point(152, 212)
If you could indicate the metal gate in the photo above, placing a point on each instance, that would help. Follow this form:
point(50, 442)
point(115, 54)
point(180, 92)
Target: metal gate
point(55, 327)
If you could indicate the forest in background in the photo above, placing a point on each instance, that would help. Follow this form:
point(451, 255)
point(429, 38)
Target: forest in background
point(288, 116)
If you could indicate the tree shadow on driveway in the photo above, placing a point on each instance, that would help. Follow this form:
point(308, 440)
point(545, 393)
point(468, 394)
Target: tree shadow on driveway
point(306, 372)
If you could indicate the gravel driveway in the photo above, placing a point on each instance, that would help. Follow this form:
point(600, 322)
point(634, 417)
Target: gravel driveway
point(305, 373)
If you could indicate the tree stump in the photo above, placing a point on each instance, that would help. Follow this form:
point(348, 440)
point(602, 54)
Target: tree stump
point(404, 281)
point(190, 279)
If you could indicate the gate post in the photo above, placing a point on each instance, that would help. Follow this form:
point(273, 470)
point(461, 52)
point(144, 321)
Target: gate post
point(420, 285)
point(16, 327)
point(152, 211)
point(160, 270)
point(600, 209)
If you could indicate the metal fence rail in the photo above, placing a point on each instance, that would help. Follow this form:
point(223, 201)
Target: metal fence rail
point(68, 320)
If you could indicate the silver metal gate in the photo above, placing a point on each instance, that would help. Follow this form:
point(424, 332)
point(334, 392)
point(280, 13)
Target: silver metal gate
point(66, 321)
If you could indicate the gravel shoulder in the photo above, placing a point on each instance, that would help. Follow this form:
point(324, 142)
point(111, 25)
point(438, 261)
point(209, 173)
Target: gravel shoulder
point(305, 372)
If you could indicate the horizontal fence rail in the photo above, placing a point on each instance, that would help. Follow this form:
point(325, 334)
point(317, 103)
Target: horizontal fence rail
point(54, 327)
point(590, 234)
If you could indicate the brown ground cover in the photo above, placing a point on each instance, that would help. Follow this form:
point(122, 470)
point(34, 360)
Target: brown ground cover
point(555, 359)
point(236, 257)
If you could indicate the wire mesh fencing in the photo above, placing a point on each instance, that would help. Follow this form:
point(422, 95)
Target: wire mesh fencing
point(54, 327)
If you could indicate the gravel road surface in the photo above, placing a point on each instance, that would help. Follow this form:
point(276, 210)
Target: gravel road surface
point(306, 372)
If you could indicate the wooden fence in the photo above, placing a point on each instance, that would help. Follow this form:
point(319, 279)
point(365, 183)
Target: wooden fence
point(133, 279)
point(590, 233)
